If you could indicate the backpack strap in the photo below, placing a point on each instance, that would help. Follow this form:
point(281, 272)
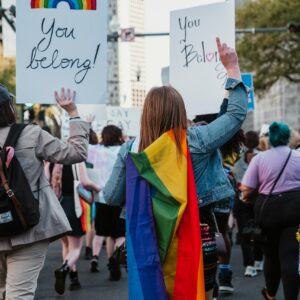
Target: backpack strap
point(13, 135)
point(11, 195)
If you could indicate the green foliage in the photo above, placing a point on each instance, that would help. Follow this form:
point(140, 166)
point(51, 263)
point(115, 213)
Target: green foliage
point(8, 72)
point(269, 55)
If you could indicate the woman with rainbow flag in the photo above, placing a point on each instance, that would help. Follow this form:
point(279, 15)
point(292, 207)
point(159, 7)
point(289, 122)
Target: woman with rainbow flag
point(169, 172)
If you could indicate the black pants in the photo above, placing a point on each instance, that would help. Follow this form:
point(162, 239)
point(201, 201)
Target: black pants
point(210, 256)
point(244, 213)
point(280, 222)
point(281, 261)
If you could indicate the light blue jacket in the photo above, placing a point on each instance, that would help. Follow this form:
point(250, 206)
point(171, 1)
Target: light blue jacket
point(203, 141)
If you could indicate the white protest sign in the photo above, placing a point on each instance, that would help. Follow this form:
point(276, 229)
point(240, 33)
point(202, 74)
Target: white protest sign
point(195, 67)
point(61, 43)
point(8, 34)
point(128, 119)
point(86, 110)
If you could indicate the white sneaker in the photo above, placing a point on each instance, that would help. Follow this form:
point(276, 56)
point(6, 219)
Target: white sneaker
point(259, 265)
point(250, 271)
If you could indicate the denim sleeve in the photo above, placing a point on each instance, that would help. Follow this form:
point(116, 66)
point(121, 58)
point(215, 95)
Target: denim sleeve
point(223, 108)
point(205, 139)
point(114, 191)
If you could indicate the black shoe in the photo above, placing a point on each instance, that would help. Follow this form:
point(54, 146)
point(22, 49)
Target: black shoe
point(225, 286)
point(60, 278)
point(114, 267)
point(94, 264)
point(75, 284)
point(88, 253)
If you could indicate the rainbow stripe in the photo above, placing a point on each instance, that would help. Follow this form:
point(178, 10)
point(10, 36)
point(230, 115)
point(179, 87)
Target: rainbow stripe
point(74, 4)
point(163, 228)
point(86, 217)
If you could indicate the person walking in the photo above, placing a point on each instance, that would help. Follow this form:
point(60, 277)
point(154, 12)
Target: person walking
point(108, 223)
point(164, 110)
point(22, 256)
point(244, 212)
point(277, 210)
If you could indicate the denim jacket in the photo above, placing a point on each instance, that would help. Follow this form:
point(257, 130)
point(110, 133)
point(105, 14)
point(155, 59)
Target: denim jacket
point(204, 142)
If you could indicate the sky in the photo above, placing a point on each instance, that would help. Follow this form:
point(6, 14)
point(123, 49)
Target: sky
point(157, 19)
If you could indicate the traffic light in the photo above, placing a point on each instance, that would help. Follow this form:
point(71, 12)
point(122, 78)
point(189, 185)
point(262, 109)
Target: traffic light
point(294, 27)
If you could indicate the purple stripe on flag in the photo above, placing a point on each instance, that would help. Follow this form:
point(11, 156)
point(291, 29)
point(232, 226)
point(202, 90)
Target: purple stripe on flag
point(145, 276)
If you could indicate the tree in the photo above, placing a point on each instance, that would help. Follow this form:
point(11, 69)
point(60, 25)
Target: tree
point(8, 72)
point(269, 56)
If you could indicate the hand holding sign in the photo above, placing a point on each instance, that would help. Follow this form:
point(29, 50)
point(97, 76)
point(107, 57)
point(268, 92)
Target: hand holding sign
point(229, 59)
point(67, 102)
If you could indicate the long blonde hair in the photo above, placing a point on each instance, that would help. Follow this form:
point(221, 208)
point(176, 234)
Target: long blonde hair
point(163, 110)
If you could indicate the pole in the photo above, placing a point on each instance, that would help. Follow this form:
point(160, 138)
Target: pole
point(237, 31)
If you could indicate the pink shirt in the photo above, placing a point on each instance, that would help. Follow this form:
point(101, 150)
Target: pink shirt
point(265, 167)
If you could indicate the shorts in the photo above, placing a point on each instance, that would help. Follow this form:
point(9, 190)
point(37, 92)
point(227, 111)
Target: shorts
point(108, 221)
point(224, 206)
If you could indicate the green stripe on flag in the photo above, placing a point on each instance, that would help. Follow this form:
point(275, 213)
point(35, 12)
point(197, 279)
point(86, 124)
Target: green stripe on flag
point(165, 207)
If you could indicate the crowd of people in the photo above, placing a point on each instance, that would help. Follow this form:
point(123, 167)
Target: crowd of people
point(244, 183)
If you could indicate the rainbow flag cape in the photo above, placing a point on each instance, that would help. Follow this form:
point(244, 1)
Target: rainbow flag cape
point(163, 227)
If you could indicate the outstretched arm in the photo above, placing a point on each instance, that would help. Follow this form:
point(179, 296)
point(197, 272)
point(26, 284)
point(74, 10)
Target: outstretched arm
point(205, 139)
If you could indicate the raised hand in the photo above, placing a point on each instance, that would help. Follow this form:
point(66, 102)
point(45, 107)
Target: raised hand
point(66, 100)
point(229, 59)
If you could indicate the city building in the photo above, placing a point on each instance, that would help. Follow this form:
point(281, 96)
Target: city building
point(126, 60)
point(280, 103)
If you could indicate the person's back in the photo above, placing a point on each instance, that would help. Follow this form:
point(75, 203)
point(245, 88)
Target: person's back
point(164, 111)
point(268, 165)
point(103, 159)
point(277, 210)
point(25, 253)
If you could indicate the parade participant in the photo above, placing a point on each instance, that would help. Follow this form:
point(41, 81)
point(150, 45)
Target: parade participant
point(108, 224)
point(277, 210)
point(89, 236)
point(62, 182)
point(223, 208)
point(244, 212)
point(164, 110)
point(23, 255)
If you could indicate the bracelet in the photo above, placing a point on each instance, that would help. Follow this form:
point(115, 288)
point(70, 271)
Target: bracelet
point(74, 118)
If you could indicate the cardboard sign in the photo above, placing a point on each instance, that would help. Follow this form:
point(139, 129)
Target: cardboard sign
point(61, 43)
point(195, 68)
point(86, 110)
point(128, 119)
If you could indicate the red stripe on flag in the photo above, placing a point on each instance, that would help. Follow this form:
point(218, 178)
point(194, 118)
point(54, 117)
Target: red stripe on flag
point(189, 259)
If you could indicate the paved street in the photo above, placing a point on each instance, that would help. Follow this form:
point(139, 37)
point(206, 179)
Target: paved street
point(97, 286)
